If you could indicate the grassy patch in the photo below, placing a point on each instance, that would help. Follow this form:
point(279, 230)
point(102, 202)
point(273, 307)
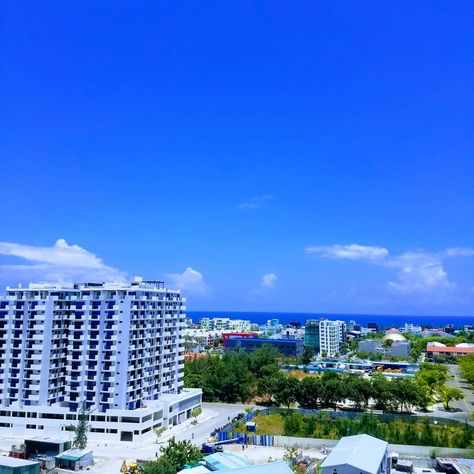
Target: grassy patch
point(266, 424)
point(416, 431)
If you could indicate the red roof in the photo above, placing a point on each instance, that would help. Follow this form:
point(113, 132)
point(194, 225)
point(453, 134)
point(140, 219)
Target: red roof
point(462, 350)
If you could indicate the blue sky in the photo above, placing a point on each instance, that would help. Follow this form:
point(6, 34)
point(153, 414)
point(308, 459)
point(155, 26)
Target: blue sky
point(260, 155)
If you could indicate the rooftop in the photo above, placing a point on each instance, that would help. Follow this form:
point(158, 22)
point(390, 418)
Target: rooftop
point(74, 454)
point(15, 462)
point(225, 461)
point(363, 452)
point(462, 465)
point(461, 350)
point(278, 467)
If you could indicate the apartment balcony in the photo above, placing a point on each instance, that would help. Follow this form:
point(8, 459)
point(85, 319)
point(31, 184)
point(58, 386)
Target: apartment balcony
point(33, 398)
point(36, 347)
point(38, 357)
point(33, 366)
point(34, 377)
point(72, 378)
point(107, 380)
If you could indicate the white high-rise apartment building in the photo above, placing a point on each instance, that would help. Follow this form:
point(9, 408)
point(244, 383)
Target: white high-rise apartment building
point(331, 335)
point(115, 346)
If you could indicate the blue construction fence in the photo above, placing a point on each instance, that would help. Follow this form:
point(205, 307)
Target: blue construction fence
point(249, 439)
point(227, 433)
point(250, 415)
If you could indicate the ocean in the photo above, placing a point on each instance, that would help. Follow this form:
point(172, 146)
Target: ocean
point(384, 321)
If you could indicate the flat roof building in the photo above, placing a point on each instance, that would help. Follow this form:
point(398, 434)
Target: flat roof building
point(18, 466)
point(287, 347)
point(434, 353)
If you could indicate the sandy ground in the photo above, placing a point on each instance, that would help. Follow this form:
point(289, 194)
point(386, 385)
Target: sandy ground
point(263, 454)
point(108, 457)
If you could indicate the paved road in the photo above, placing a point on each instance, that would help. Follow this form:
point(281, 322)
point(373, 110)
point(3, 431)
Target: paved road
point(466, 405)
point(198, 434)
point(460, 409)
point(110, 456)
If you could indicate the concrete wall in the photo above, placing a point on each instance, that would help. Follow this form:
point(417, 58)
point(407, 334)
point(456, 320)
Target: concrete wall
point(402, 449)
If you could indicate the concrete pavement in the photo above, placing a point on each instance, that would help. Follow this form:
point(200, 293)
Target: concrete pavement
point(108, 457)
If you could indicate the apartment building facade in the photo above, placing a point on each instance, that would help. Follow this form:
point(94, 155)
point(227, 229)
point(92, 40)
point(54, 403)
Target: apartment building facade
point(331, 337)
point(225, 324)
point(117, 347)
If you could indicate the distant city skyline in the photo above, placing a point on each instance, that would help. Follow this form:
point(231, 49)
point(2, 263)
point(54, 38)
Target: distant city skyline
point(314, 158)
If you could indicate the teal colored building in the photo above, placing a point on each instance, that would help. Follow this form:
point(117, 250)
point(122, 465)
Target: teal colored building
point(311, 335)
point(18, 466)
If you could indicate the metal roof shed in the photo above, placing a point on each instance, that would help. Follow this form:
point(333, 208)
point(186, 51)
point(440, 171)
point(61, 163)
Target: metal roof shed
point(74, 459)
point(357, 454)
point(18, 466)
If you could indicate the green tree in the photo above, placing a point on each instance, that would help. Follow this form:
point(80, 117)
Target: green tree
point(358, 390)
point(285, 389)
point(292, 424)
point(405, 392)
point(308, 354)
point(173, 458)
point(333, 391)
point(432, 375)
point(80, 437)
point(264, 361)
point(447, 394)
point(160, 466)
point(381, 392)
point(309, 392)
point(466, 366)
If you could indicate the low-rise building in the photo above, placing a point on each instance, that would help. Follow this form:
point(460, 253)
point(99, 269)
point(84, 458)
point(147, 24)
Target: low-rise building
point(371, 346)
point(398, 346)
point(357, 454)
point(74, 459)
point(399, 349)
point(18, 466)
point(225, 324)
point(277, 467)
point(434, 353)
point(411, 328)
point(196, 340)
point(287, 347)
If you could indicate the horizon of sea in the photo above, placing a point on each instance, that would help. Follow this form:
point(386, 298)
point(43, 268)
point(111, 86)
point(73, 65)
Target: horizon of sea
point(383, 321)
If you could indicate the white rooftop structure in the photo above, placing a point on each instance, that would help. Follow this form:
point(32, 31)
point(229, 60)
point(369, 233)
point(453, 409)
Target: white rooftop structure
point(200, 469)
point(7, 461)
point(356, 454)
point(277, 467)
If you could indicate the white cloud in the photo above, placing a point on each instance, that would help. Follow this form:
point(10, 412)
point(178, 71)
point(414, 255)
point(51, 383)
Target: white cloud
point(350, 252)
point(60, 262)
point(256, 202)
point(267, 283)
point(417, 272)
point(459, 252)
point(268, 280)
point(190, 281)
